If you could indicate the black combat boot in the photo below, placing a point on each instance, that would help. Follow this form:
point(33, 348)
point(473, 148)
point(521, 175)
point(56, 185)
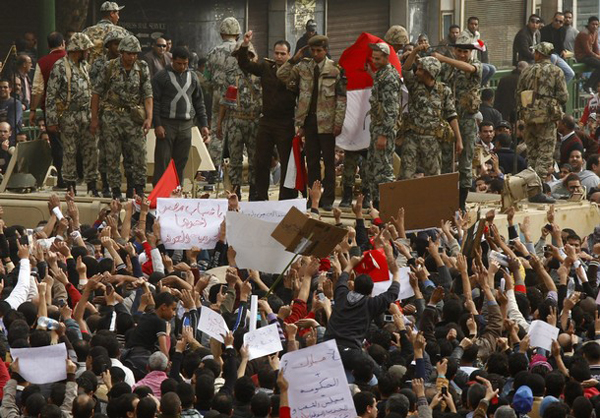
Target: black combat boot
point(346, 197)
point(139, 190)
point(463, 193)
point(116, 193)
point(92, 190)
point(366, 199)
point(105, 186)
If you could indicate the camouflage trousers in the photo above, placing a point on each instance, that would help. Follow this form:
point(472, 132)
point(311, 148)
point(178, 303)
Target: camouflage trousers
point(352, 160)
point(540, 139)
point(122, 136)
point(379, 166)
point(239, 133)
point(215, 146)
point(420, 151)
point(468, 133)
point(76, 136)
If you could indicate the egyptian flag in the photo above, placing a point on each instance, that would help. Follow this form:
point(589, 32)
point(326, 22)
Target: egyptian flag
point(355, 132)
point(168, 182)
point(295, 175)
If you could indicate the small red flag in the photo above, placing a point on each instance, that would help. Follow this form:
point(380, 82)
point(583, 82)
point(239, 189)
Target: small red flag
point(168, 182)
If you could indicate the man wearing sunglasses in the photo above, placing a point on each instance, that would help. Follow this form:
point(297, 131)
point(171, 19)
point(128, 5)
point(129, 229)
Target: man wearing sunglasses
point(555, 34)
point(158, 58)
point(525, 39)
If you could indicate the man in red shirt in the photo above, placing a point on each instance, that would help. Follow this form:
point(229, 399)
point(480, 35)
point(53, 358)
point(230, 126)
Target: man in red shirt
point(56, 44)
point(587, 51)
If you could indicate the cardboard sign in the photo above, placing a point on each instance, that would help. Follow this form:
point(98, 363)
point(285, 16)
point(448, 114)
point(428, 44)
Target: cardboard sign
point(426, 201)
point(300, 234)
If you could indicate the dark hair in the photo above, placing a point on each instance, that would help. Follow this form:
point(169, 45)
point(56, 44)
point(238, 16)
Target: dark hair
point(34, 404)
point(55, 39)
point(534, 16)
point(592, 160)
point(243, 389)
point(485, 123)
point(516, 363)
point(284, 43)
point(453, 26)
point(180, 52)
point(363, 284)
point(387, 384)
point(222, 403)
point(593, 19)
point(168, 386)
point(555, 384)
point(119, 389)
point(572, 391)
point(260, 405)
point(472, 18)
point(362, 400)
point(475, 394)
point(559, 410)
point(504, 139)
point(125, 403)
point(164, 298)
point(50, 411)
point(146, 408)
point(487, 95)
point(83, 407)
point(117, 375)
point(39, 338)
point(170, 404)
point(582, 407)
point(57, 393)
point(82, 349)
point(185, 391)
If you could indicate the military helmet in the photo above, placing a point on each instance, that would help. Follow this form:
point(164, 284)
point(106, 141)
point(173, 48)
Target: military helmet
point(230, 26)
point(396, 35)
point(79, 42)
point(113, 35)
point(544, 48)
point(130, 44)
point(463, 39)
point(431, 65)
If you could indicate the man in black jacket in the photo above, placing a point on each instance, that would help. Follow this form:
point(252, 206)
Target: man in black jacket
point(555, 34)
point(525, 39)
point(354, 309)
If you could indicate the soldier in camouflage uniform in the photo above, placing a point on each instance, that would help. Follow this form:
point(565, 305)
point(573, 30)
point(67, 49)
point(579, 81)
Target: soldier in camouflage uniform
point(321, 108)
point(238, 121)
point(124, 92)
point(68, 99)
point(431, 117)
point(397, 37)
point(385, 109)
point(111, 43)
point(547, 82)
point(219, 59)
point(97, 33)
point(463, 76)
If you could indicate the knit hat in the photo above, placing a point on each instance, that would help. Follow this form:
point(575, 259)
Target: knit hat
point(539, 360)
point(523, 400)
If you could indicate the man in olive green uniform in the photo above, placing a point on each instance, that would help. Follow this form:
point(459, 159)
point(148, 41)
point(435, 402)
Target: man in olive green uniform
point(124, 91)
point(110, 17)
point(111, 43)
point(463, 75)
point(545, 84)
point(238, 121)
point(321, 86)
point(68, 98)
point(385, 109)
point(431, 117)
point(219, 59)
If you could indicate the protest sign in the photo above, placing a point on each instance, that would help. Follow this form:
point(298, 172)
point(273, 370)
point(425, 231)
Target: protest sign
point(212, 324)
point(406, 290)
point(425, 200)
point(317, 382)
point(187, 223)
point(255, 248)
point(300, 234)
point(541, 335)
point(40, 365)
point(263, 341)
point(271, 210)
